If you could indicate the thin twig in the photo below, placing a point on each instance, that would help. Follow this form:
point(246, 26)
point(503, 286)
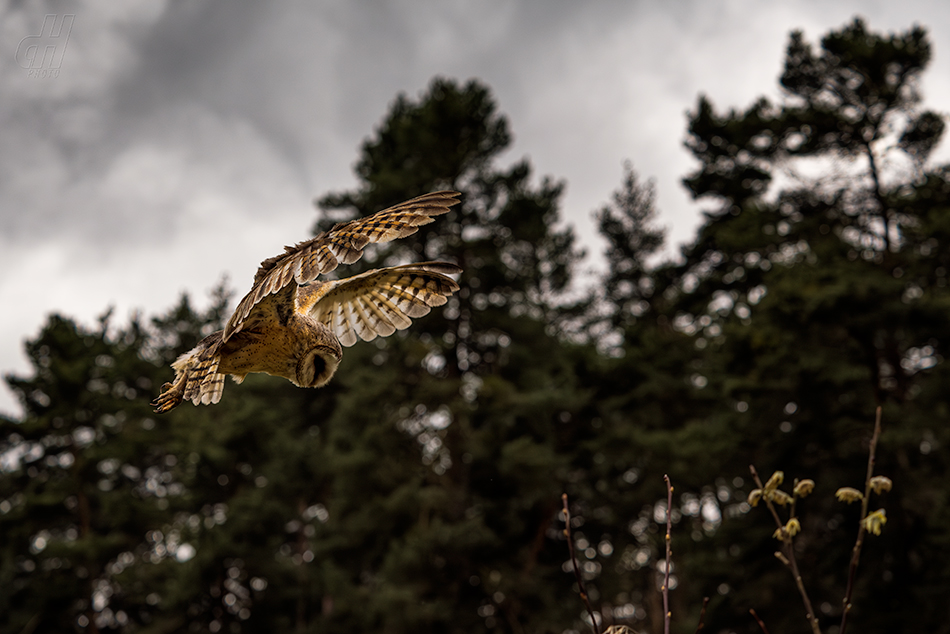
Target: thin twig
point(702, 615)
point(789, 557)
point(765, 630)
point(669, 555)
point(577, 572)
point(791, 510)
point(856, 552)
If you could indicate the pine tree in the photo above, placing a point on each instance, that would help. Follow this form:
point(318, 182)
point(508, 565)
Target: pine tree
point(645, 407)
point(113, 519)
point(414, 493)
point(80, 479)
point(628, 225)
point(448, 446)
point(816, 291)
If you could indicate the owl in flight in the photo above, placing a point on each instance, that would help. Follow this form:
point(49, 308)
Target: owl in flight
point(292, 325)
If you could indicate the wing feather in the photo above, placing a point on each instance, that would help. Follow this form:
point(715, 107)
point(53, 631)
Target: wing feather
point(204, 384)
point(381, 324)
point(365, 322)
point(396, 316)
point(343, 243)
point(196, 377)
point(349, 325)
point(379, 302)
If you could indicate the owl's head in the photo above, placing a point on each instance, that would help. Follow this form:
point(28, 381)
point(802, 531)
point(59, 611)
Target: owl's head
point(316, 367)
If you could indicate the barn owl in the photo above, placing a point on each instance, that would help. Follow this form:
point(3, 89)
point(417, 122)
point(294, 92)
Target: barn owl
point(294, 326)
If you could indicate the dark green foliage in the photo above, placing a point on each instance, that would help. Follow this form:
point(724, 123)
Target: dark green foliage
point(447, 455)
point(87, 477)
point(811, 305)
point(627, 225)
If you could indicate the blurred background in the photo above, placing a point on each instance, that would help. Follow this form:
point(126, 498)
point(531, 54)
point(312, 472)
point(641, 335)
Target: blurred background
point(694, 237)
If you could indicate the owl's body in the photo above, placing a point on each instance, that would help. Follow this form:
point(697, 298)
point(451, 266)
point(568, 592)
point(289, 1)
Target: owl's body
point(292, 325)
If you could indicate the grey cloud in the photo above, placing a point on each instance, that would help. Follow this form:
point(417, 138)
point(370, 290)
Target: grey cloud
point(169, 120)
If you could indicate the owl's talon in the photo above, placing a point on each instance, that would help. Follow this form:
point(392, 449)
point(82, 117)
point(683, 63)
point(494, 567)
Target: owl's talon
point(170, 398)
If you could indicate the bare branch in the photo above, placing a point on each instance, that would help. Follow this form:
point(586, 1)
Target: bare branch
point(764, 629)
point(702, 615)
point(577, 572)
point(856, 552)
point(669, 555)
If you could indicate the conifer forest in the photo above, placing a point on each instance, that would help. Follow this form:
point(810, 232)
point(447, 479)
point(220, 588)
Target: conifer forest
point(420, 491)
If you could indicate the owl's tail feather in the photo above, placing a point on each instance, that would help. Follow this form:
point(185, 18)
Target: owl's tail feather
point(196, 377)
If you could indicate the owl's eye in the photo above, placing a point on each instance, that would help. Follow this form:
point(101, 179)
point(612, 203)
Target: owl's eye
point(319, 365)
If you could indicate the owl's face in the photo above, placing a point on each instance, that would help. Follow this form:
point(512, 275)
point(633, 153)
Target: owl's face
point(316, 350)
point(317, 366)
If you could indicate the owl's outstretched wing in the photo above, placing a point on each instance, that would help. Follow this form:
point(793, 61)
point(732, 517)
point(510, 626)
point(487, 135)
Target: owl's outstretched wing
point(379, 302)
point(344, 243)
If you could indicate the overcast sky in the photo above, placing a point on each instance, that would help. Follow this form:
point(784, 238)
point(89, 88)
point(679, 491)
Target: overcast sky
point(183, 141)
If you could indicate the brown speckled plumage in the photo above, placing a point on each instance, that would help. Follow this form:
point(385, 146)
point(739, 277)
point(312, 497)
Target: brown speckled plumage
point(292, 325)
